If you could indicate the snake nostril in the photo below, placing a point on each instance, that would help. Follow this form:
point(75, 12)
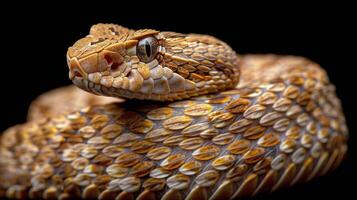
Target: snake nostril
point(77, 74)
point(75, 69)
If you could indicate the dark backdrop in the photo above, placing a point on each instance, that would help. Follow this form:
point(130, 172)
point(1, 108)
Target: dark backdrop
point(35, 38)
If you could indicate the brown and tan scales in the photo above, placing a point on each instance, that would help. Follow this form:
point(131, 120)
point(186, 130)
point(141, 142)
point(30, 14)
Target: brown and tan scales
point(281, 125)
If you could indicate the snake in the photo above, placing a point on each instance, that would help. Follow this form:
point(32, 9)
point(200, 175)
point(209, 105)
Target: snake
point(164, 115)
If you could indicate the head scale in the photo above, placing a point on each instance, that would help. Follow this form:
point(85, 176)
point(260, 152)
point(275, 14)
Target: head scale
point(148, 64)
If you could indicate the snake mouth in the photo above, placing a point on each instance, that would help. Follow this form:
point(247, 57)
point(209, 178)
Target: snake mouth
point(75, 69)
point(99, 89)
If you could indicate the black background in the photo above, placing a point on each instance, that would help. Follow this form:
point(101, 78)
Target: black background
point(35, 38)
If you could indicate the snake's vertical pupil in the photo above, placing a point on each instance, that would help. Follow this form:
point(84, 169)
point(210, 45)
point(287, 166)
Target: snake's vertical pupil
point(148, 49)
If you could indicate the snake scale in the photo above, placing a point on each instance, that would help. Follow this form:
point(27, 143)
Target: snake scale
point(187, 132)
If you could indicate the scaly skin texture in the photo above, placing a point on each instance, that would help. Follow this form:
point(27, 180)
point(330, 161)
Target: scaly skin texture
point(64, 100)
point(281, 126)
point(106, 62)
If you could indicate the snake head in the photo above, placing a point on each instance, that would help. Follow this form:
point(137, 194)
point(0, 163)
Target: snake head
point(149, 64)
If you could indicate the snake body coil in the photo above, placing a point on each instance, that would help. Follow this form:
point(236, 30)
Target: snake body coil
point(281, 125)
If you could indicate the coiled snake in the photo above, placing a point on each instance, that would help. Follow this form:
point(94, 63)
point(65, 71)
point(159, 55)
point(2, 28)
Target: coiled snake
point(202, 138)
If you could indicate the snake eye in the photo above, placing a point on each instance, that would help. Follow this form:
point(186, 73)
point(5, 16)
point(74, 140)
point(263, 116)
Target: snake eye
point(146, 49)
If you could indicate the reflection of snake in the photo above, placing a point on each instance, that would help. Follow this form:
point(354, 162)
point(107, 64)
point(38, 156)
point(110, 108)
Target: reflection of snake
point(282, 125)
